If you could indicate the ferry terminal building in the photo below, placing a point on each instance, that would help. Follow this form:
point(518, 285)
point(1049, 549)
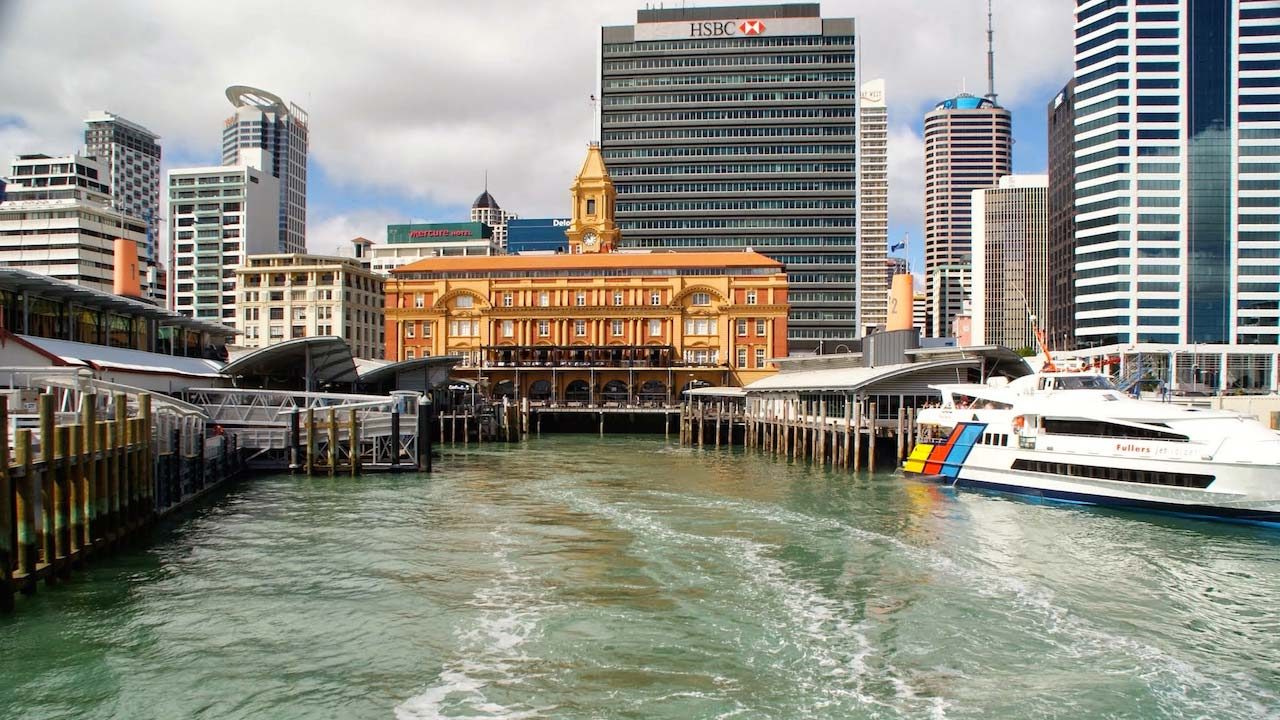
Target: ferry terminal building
point(594, 326)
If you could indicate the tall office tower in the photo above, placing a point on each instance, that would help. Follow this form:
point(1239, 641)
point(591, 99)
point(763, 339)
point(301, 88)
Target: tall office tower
point(131, 155)
point(1010, 260)
point(1060, 323)
point(217, 217)
point(873, 206)
point(968, 144)
point(1177, 119)
point(266, 134)
point(735, 127)
point(486, 210)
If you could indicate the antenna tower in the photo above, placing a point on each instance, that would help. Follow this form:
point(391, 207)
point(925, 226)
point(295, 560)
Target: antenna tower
point(991, 59)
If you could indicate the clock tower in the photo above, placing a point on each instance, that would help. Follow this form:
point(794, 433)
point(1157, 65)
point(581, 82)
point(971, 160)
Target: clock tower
point(592, 229)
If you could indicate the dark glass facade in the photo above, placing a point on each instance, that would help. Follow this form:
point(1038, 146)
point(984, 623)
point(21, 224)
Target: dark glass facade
point(1060, 323)
point(1209, 157)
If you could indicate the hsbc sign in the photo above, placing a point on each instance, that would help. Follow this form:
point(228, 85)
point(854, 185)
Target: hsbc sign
point(738, 27)
point(726, 28)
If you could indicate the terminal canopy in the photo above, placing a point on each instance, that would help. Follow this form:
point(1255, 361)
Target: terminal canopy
point(313, 362)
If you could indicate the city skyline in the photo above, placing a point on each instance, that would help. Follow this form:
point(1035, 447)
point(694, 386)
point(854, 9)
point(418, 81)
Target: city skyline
point(428, 158)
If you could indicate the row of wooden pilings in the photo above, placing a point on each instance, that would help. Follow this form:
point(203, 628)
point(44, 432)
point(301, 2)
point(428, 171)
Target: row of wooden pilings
point(797, 429)
point(71, 492)
point(504, 421)
point(308, 427)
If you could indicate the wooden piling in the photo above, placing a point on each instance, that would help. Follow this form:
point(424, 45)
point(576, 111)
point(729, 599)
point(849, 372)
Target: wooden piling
point(25, 513)
point(333, 442)
point(47, 507)
point(75, 493)
point(88, 450)
point(871, 437)
point(857, 435)
point(848, 426)
point(58, 468)
point(353, 430)
point(900, 436)
point(8, 531)
point(311, 441)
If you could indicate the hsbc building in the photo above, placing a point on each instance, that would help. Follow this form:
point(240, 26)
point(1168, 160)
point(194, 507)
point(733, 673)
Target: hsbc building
point(735, 127)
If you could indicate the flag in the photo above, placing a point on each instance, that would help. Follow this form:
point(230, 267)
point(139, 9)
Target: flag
point(897, 246)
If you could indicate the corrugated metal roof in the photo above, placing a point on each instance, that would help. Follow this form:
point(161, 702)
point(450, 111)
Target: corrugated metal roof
point(115, 358)
point(852, 379)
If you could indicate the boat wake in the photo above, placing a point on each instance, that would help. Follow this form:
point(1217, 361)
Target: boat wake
point(511, 610)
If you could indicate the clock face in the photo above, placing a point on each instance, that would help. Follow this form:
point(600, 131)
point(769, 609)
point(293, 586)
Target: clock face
point(589, 239)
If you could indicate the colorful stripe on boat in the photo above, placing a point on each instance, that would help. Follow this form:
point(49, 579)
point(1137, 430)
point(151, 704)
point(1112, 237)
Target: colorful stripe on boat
point(947, 458)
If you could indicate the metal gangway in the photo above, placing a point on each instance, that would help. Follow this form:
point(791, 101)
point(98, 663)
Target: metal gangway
point(290, 430)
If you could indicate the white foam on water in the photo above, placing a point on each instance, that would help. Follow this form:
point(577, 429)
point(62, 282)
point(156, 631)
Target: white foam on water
point(813, 625)
point(511, 610)
point(1181, 685)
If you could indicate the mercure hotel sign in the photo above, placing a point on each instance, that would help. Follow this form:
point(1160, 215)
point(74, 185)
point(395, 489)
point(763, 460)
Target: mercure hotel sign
point(740, 27)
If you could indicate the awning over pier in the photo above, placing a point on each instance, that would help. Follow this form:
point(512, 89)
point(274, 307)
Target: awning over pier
point(317, 361)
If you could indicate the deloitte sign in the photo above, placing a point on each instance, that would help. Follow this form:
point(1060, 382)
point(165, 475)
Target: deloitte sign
point(525, 235)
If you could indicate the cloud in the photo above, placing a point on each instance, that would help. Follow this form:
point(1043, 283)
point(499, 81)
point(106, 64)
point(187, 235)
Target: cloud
point(906, 174)
point(331, 234)
point(416, 100)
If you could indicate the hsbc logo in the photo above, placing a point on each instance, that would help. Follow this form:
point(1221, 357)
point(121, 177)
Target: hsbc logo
point(725, 28)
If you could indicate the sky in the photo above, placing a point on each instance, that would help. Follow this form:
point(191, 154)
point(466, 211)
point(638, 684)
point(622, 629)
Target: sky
point(412, 102)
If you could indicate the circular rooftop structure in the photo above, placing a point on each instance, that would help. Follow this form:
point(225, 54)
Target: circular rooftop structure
point(964, 101)
point(485, 201)
point(244, 95)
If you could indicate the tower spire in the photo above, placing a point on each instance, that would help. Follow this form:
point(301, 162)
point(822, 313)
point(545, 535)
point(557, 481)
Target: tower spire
point(991, 58)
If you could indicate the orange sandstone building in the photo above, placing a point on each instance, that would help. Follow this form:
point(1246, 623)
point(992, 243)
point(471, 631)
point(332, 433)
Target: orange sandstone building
point(593, 327)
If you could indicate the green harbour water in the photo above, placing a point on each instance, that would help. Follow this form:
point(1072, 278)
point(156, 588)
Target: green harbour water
point(625, 577)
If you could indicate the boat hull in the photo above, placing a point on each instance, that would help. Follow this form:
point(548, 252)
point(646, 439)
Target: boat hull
point(949, 462)
point(1209, 512)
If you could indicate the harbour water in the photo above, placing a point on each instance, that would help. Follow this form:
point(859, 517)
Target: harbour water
point(624, 577)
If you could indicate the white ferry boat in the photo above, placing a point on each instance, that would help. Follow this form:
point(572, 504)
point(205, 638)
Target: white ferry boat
point(1072, 437)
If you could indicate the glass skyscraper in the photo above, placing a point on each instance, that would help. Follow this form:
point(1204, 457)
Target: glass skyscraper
point(1177, 118)
point(736, 127)
point(266, 134)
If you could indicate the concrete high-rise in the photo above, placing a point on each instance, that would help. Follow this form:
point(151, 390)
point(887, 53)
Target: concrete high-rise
point(131, 155)
point(218, 216)
point(736, 127)
point(266, 134)
point(873, 206)
point(968, 145)
point(1060, 322)
point(1010, 260)
point(486, 210)
point(1177, 196)
point(56, 220)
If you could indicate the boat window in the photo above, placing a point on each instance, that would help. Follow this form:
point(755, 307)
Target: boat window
point(1083, 382)
point(1144, 477)
point(1099, 428)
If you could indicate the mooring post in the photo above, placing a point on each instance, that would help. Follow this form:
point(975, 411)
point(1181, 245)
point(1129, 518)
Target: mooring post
point(311, 441)
point(149, 457)
point(295, 442)
point(88, 450)
point(902, 425)
point(60, 468)
point(857, 435)
point(333, 442)
point(423, 443)
point(8, 541)
point(25, 512)
point(47, 507)
point(353, 430)
point(395, 436)
point(75, 494)
point(872, 426)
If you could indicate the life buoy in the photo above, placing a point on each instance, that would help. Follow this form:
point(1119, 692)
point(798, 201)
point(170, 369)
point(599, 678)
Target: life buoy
point(1018, 422)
